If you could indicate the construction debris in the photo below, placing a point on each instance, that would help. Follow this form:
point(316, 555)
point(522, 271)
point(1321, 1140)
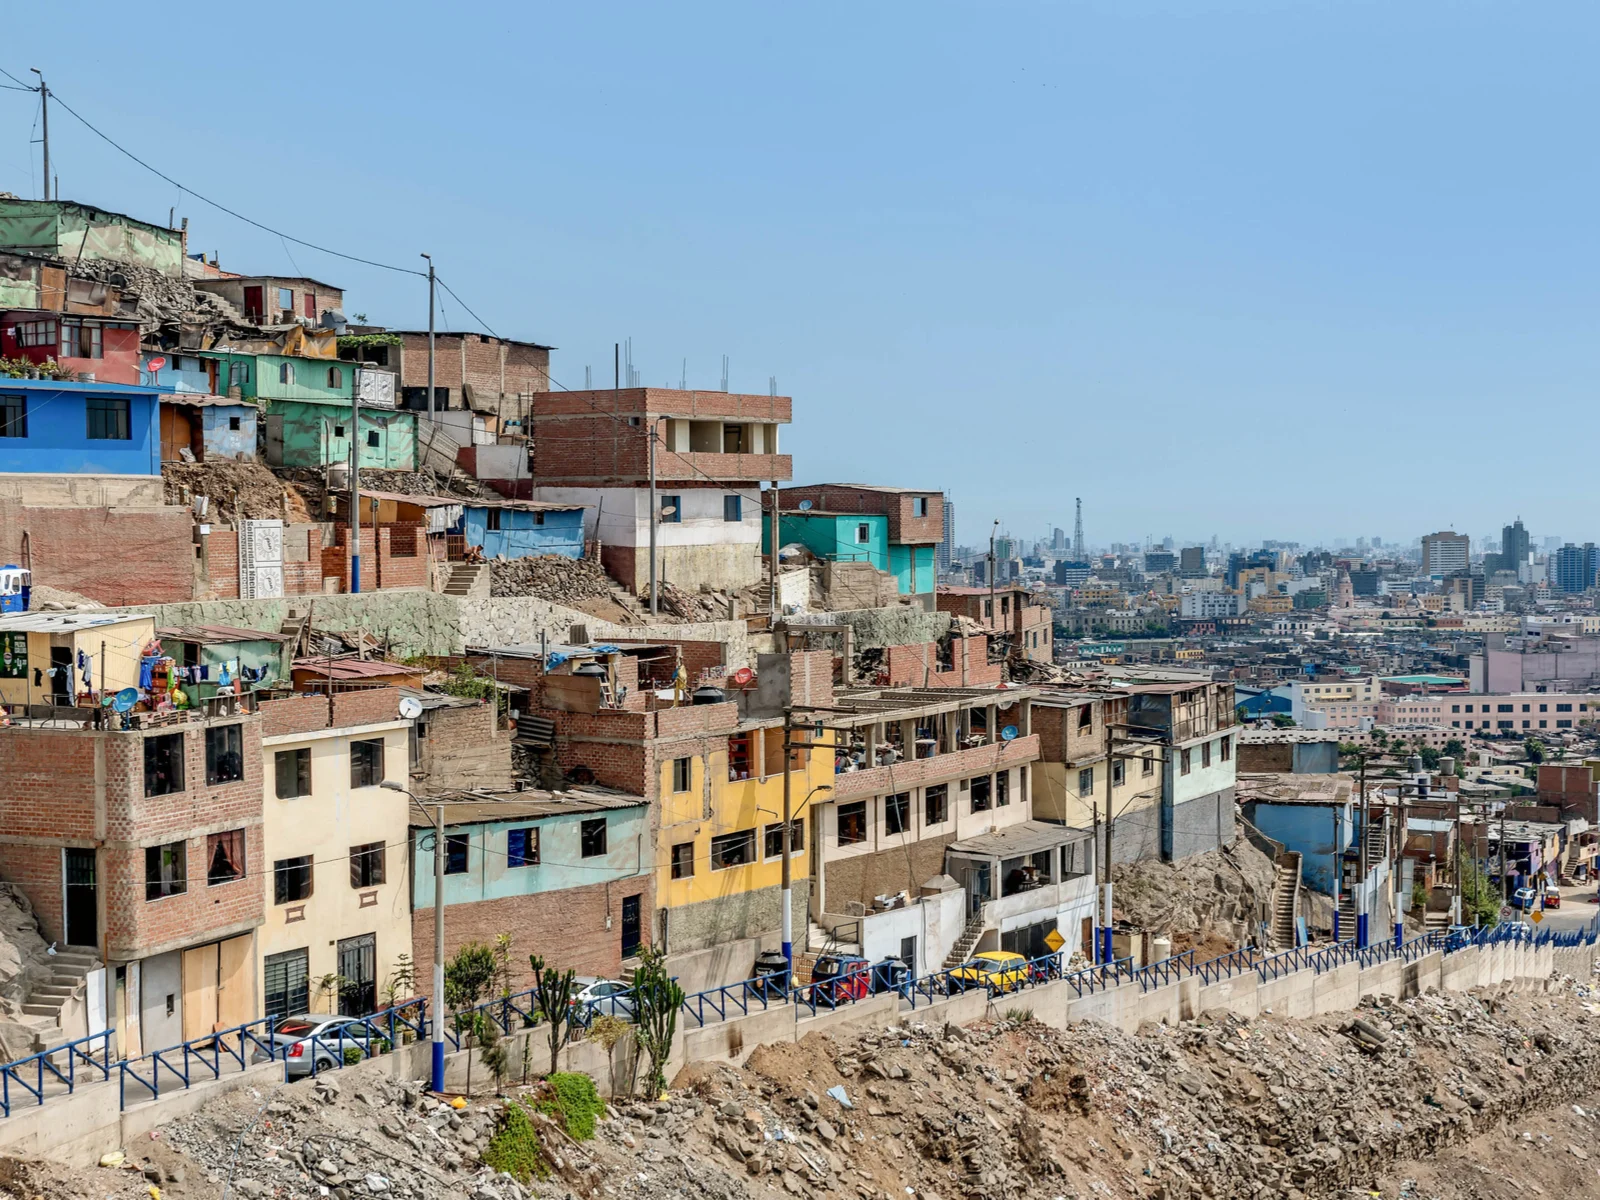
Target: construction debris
point(236, 491)
point(550, 577)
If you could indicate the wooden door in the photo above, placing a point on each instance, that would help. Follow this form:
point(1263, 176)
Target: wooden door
point(253, 306)
point(235, 989)
point(199, 991)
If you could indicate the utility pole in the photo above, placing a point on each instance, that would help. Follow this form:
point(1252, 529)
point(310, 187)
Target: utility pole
point(1338, 870)
point(355, 486)
point(44, 113)
point(772, 604)
point(431, 417)
point(992, 532)
point(438, 948)
point(1111, 771)
point(786, 892)
point(655, 517)
point(1362, 932)
point(1094, 840)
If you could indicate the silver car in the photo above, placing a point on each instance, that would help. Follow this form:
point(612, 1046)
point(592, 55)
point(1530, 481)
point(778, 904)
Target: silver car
point(311, 1042)
point(596, 997)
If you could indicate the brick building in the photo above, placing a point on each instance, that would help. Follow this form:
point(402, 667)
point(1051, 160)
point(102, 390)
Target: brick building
point(916, 526)
point(1025, 627)
point(476, 371)
point(569, 876)
point(713, 450)
point(145, 845)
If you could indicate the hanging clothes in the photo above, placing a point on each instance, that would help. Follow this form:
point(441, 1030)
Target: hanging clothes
point(147, 668)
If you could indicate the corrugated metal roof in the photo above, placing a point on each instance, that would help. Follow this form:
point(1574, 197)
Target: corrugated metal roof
point(49, 622)
point(477, 808)
point(354, 668)
point(1029, 837)
point(211, 635)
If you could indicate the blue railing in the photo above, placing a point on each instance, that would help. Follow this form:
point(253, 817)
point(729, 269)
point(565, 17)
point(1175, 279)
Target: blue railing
point(763, 991)
point(93, 1051)
point(1226, 966)
point(1165, 971)
point(242, 1044)
point(1101, 976)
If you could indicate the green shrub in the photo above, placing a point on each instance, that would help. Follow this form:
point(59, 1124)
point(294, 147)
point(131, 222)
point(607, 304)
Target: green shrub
point(572, 1099)
point(352, 1055)
point(515, 1147)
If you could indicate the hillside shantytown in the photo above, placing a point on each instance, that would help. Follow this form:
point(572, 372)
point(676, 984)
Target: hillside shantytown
point(329, 649)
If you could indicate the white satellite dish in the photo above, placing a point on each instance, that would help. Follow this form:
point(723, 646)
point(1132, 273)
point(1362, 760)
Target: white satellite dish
point(805, 506)
point(410, 708)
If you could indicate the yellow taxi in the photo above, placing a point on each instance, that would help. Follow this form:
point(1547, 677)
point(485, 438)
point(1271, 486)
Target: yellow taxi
point(998, 970)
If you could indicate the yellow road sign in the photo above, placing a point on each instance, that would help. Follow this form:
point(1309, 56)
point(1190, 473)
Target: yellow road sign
point(1536, 917)
point(1054, 940)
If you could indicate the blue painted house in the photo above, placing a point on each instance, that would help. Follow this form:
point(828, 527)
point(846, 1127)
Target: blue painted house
point(522, 528)
point(567, 874)
point(49, 428)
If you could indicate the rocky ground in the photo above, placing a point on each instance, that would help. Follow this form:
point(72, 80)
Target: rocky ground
point(1221, 892)
point(1442, 1097)
point(569, 581)
point(238, 491)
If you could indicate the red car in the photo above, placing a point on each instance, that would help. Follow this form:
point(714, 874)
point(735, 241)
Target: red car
point(1552, 899)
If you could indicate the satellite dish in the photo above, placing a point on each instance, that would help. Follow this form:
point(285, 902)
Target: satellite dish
point(805, 506)
point(124, 700)
point(668, 509)
point(155, 364)
point(1008, 734)
point(410, 708)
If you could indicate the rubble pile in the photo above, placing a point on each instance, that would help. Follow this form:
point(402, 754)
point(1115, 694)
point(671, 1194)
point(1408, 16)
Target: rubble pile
point(551, 577)
point(237, 491)
point(24, 962)
point(426, 483)
point(1222, 892)
point(162, 300)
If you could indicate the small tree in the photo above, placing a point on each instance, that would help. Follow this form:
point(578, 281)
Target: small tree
point(402, 984)
point(467, 977)
point(1430, 757)
point(553, 990)
point(1282, 720)
point(657, 998)
point(1456, 749)
point(608, 1032)
point(502, 958)
point(496, 1055)
point(1534, 749)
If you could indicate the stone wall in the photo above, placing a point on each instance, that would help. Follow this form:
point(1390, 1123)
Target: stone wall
point(877, 628)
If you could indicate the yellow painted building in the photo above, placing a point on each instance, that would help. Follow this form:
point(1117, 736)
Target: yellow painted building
point(718, 849)
point(337, 874)
point(37, 641)
point(1272, 602)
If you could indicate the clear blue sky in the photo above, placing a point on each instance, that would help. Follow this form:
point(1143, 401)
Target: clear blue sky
point(1265, 269)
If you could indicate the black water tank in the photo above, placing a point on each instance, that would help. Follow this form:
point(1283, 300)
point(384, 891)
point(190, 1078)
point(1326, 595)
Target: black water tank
point(708, 695)
point(773, 967)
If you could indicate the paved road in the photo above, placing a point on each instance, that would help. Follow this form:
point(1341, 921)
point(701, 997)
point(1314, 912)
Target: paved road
point(1577, 909)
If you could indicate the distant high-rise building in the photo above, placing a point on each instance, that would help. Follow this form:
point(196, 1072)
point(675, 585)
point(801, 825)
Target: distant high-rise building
point(1071, 572)
point(945, 554)
point(1445, 552)
point(1159, 562)
point(1192, 560)
point(1077, 532)
point(1513, 545)
point(1573, 568)
point(1058, 540)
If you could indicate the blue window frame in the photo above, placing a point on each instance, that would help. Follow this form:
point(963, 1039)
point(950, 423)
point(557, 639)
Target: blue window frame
point(522, 847)
point(13, 416)
point(108, 418)
point(732, 508)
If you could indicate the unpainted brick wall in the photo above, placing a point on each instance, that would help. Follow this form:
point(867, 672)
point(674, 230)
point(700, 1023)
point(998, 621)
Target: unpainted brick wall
point(113, 555)
point(306, 714)
point(918, 665)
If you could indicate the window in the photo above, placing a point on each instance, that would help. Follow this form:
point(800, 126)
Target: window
point(310, 299)
point(107, 418)
point(293, 769)
point(733, 849)
point(981, 788)
point(522, 847)
point(291, 879)
point(286, 978)
point(593, 837)
point(682, 774)
point(36, 333)
point(165, 872)
point(224, 754)
point(1542, 708)
point(79, 340)
point(863, 534)
point(1526, 724)
point(233, 424)
point(897, 812)
point(1184, 761)
point(773, 839)
point(919, 506)
point(1002, 789)
point(1225, 747)
point(455, 854)
point(163, 765)
point(1086, 782)
point(1563, 708)
point(1505, 708)
point(671, 512)
point(936, 804)
point(338, 431)
point(224, 857)
point(1502, 724)
point(1205, 755)
point(852, 822)
point(366, 865)
point(366, 763)
point(491, 519)
point(286, 299)
point(732, 508)
point(683, 860)
point(373, 440)
point(336, 377)
point(1527, 708)
point(1560, 724)
point(1542, 723)
point(1119, 772)
point(286, 373)
point(13, 416)
point(238, 374)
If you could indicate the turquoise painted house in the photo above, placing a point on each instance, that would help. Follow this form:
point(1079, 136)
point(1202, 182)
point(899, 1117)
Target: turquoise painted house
point(912, 565)
point(567, 874)
point(523, 528)
point(841, 537)
point(307, 403)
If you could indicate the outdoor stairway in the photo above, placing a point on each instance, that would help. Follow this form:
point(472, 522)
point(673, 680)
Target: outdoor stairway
point(1285, 901)
point(823, 941)
point(293, 628)
point(1377, 845)
point(962, 950)
point(462, 578)
point(70, 969)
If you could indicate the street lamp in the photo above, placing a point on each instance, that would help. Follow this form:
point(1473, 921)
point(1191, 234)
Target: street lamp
point(788, 819)
point(437, 821)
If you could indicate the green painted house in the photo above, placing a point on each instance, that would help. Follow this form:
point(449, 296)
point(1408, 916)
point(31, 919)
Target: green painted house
point(840, 537)
point(307, 404)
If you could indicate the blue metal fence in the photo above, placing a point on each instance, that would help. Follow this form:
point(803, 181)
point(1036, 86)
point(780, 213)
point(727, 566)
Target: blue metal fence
point(46, 1067)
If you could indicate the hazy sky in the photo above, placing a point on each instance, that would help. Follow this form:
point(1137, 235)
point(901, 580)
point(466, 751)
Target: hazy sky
point(1278, 269)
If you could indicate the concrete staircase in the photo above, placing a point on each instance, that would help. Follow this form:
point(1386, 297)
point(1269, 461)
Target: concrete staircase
point(962, 950)
point(465, 580)
point(823, 941)
point(50, 1004)
point(294, 627)
point(1285, 900)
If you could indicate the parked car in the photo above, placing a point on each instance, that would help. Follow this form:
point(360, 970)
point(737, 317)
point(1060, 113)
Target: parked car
point(596, 997)
point(839, 978)
point(998, 970)
point(1525, 899)
point(1518, 929)
point(311, 1042)
point(1552, 899)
